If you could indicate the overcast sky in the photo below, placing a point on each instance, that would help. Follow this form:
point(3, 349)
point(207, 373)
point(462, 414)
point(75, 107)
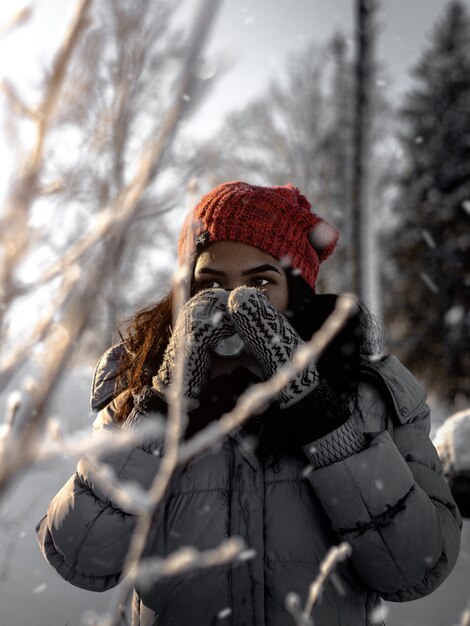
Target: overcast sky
point(259, 34)
point(256, 35)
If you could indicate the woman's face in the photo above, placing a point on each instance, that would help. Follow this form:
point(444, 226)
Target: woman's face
point(230, 264)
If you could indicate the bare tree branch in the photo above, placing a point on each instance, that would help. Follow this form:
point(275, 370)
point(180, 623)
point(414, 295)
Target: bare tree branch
point(15, 234)
point(335, 555)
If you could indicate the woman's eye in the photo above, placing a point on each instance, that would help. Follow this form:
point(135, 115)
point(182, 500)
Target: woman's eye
point(259, 281)
point(207, 284)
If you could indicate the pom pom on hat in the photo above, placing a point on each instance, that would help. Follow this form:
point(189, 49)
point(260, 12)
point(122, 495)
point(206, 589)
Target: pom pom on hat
point(277, 220)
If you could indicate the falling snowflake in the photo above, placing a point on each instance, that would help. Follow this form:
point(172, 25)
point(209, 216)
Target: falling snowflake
point(247, 555)
point(428, 238)
point(429, 282)
point(204, 68)
point(224, 613)
point(466, 206)
point(323, 236)
point(378, 615)
point(338, 584)
point(216, 318)
point(455, 315)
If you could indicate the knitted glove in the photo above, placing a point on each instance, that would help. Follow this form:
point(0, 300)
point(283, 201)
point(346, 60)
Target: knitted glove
point(202, 322)
point(272, 340)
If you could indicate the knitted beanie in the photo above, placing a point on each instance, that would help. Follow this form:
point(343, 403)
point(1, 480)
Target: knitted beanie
point(278, 220)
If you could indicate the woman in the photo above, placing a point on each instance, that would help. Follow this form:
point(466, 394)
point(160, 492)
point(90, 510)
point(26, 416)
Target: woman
point(342, 453)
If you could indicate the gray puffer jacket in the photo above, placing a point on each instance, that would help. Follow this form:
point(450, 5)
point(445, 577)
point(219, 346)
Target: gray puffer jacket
point(388, 500)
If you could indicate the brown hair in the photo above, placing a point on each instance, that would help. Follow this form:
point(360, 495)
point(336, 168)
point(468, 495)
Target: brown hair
point(145, 338)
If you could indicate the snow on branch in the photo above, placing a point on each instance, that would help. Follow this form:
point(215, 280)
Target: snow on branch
point(188, 559)
point(335, 555)
point(14, 227)
point(465, 619)
point(257, 396)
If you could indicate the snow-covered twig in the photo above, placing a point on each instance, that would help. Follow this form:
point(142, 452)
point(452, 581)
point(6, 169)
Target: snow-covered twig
point(465, 618)
point(335, 555)
point(130, 497)
point(184, 560)
point(16, 19)
point(14, 228)
point(188, 559)
point(103, 442)
point(12, 361)
point(149, 161)
point(257, 396)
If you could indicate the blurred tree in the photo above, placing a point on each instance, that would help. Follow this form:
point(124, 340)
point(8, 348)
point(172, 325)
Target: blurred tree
point(116, 97)
point(361, 241)
point(57, 258)
point(301, 131)
point(430, 297)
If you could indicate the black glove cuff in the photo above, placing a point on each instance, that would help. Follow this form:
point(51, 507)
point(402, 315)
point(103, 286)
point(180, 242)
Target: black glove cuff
point(316, 415)
point(149, 401)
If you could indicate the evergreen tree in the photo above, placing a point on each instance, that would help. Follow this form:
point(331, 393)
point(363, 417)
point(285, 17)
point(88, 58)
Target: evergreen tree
point(431, 295)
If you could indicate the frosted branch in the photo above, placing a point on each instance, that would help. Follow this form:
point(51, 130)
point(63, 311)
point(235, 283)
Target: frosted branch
point(16, 19)
point(188, 559)
point(335, 555)
point(257, 396)
point(12, 361)
point(14, 227)
point(465, 619)
point(149, 162)
point(15, 102)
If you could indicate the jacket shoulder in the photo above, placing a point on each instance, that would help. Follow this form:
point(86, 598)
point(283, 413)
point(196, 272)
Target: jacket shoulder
point(407, 397)
point(103, 387)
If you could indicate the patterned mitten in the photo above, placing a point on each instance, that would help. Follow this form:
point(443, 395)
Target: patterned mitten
point(272, 340)
point(201, 324)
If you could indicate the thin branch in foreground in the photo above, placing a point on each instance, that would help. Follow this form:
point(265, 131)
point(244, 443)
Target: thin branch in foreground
point(149, 162)
point(257, 396)
point(15, 359)
point(465, 619)
point(188, 559)
point(335, 555)
point(14, 228)
point(15, 101)
point(17, 19)
point(99, 443)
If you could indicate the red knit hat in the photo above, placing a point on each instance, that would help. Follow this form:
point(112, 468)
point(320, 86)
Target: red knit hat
point(277, 220)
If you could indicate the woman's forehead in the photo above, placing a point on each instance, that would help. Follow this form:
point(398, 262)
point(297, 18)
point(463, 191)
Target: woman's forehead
point(234, 254)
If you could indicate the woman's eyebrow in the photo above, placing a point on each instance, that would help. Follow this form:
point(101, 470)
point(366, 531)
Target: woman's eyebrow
point(261, 268)
point(209, 270)
point(253, 270)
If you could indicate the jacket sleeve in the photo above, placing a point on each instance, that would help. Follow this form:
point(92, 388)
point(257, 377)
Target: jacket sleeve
point(387, 496)
point(85, 535)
